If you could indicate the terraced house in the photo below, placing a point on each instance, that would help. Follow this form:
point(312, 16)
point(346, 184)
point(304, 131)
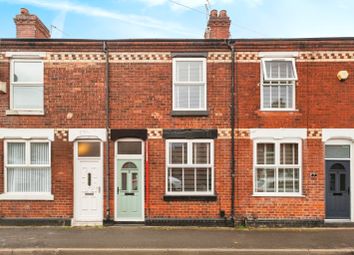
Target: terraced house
point(166, 131)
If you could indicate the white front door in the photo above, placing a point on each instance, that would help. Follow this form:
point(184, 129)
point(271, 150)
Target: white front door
point(88, 180)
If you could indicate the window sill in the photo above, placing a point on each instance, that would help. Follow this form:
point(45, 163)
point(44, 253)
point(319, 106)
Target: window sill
point(278, 110)
point(272, 112)
point(26, 196)
point(189, 113)
point(24, 112)
point(189, 197)
point(277, 195)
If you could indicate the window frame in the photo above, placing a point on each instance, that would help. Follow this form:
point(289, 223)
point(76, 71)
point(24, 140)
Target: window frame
point(267, 59)
point(338, 142)
point(129, 156)
point(190, 165)
point(204, 82)
point(26, 195)
point(291, 82)
point(13, 84)
point(277, 144)
point(132, 155)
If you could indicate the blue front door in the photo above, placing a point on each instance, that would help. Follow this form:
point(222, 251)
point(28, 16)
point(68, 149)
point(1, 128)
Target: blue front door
point(337, 189)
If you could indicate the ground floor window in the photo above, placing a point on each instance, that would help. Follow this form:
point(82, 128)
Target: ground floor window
point(27, 166)
point(277, 168)
point(190, 167)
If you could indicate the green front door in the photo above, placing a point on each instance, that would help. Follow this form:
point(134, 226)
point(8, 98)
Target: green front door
point(129, 190)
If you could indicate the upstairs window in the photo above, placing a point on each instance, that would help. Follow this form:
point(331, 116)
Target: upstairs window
point(189, 84)
point(27, 84)
point(278, 84)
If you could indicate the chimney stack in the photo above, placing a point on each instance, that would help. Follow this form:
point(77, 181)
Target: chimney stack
point(218, 25)
point(30, 26)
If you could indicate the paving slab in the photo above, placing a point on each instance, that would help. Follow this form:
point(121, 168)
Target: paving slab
point(172, 251)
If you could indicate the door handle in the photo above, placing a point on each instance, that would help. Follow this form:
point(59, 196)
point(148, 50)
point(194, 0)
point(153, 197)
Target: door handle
point(117, 190)
point(349, 191)
point(99, 189)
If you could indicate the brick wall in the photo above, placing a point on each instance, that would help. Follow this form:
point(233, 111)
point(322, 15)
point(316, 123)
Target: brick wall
point(76, 88)
point(320, 97)
point(322, 101)
point(158, 208)
point(62, 189)
point(151, 105)
point(141, 98)
point(310, 206)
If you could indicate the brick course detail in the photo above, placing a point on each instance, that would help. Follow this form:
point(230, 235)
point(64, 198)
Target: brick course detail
point(140, 80)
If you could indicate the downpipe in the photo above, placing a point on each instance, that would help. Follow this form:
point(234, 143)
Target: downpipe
point(107, 112)
point(231, 46)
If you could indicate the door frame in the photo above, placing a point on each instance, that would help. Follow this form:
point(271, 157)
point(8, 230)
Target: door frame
point(75, 188)
point(351, 164)
point(127, 157)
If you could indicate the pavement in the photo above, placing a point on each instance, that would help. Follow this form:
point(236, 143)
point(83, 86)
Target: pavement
point(173, 240)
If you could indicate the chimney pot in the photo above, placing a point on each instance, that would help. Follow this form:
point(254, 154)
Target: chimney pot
point(24, 11)
point(223, 14)
point(214, 13)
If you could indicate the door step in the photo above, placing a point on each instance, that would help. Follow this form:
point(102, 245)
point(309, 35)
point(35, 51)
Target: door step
point(128, 223)
point(338, 223)
point(75, 223)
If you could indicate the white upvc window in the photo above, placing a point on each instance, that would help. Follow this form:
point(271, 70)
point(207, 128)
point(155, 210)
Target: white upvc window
point(27, 90)
point(278, 80)
point(277, 167)
point(27, 168)
point(190, 167)
point(189, 84)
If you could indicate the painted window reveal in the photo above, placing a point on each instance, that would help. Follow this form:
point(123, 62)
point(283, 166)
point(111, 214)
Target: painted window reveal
point(27, 84)
point(277, 168)
point(190, 167)
point(28, 168)
point(189, 84)
point(278, 84)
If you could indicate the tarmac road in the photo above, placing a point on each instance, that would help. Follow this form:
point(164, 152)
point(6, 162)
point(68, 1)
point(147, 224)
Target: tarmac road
point(181, 240)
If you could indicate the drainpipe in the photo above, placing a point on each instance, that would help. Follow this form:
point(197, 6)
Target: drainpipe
point(147, 179)
point(231, 46)
point(108, 209)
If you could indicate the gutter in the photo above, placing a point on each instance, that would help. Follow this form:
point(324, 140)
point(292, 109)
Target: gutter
point(231, 46)
point(107, 112)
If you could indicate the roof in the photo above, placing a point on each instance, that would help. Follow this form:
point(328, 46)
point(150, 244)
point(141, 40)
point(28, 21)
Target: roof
point(182, 40)
point(264, 44)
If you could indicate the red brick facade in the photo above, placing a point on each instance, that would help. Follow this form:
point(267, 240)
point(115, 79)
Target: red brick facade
point(140, 84)
point(308, 207)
